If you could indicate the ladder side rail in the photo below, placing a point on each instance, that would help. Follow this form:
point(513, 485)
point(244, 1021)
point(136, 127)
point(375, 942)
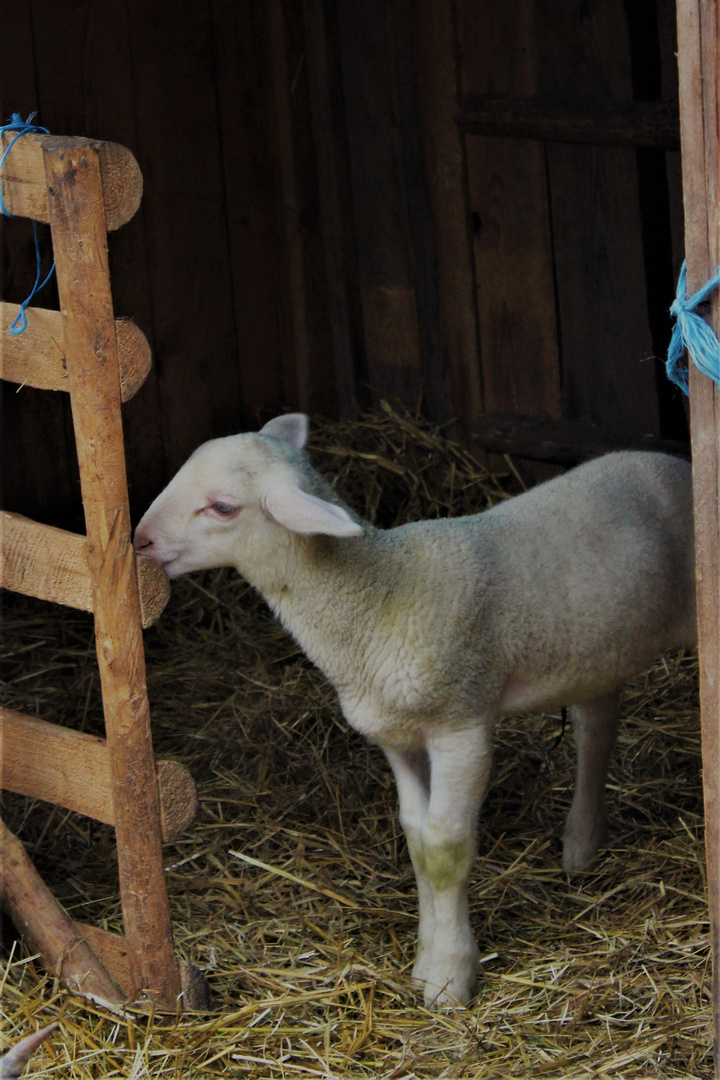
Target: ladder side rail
point(79, 233)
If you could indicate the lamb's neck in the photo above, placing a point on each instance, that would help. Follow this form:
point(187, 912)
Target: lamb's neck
point(320, 588)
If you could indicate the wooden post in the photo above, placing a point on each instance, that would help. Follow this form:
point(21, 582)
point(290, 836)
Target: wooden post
point(77, 218)
point(699, 69)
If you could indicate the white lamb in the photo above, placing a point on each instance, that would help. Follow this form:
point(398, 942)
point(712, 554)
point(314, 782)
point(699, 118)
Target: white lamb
point(433, 631)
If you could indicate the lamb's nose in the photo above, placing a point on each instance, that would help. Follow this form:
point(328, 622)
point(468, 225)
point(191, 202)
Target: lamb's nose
point(142, 542)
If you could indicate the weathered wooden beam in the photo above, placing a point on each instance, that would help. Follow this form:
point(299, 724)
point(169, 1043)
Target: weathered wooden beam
point(47, 928)
point(634, 123)
point(75, 196)
point(37, 356)
point(699, 76)
point(72, 769)
point(24, 187)
point(52, 564)
point(560, 442)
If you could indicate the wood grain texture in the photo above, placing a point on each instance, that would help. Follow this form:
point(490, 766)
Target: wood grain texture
point(81, 74)
point(339, 256)
point(188, 207)
point(22, 180)
point(597, 236)
point(72, 769)
point(37, 356)
point(45, 562)
point(630, 123)
point(438, 85)
point(379, 119)
point(76, 214)
point(256, 215)
point(111, 950)
point(562, 442)
point(699, 73)
point(510, 204)
point(52, 564)
point(289, 205)
point(47, 928)
point(89, 86)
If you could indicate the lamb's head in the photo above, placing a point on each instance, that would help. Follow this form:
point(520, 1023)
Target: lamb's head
point(232, 494)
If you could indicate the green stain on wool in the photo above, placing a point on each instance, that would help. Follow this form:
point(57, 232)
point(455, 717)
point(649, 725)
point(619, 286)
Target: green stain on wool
point(417, 853)
point(446, 864)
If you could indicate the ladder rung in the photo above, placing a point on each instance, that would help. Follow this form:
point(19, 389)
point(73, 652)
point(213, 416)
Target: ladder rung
point(24, 185)
point(52, 564)
point(37, 356)
point(72, 769)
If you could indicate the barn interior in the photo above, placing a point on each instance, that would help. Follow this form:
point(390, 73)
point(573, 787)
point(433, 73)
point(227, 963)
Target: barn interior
point(450, 231)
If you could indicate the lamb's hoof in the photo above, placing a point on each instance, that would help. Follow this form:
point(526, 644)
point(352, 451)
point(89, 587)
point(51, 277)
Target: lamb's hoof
point(451, 985)
point(579, 850)
point(454, 995)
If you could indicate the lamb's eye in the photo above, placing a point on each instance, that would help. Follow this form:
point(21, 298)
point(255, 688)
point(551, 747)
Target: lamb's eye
point(223, 508)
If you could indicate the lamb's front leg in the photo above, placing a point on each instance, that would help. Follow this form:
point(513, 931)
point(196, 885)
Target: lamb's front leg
point(411, 769)
point(459, 774)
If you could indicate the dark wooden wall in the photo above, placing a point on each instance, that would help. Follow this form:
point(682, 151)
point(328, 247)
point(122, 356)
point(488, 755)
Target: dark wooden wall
point(577, 244)
point(333, 213)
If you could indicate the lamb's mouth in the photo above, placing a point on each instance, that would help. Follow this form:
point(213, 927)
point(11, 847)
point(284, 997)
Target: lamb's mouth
point(169, 563)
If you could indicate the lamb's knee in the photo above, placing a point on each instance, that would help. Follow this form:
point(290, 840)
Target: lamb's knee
point(447, 861)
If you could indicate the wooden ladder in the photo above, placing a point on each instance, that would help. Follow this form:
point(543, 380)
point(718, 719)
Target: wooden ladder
point(83, 189)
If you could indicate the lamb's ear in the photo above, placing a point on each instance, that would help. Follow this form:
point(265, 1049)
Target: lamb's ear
point(291, 428)
point(304, 513)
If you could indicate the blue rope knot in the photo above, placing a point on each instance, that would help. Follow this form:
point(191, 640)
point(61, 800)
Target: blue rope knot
point(692, 333)
point(22, 127)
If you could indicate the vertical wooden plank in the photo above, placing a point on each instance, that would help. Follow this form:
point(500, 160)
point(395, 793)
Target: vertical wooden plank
point(293, 92)
point(258, 258)
point(335, 205)
point(699, 71)
point(40, 485)
point(374, 143)
point(80, 245)
point(667, 33)
point(173, 57)
point(652, 43)
point(597, 234)
point(509, 201)
point(438, 88)
point(87, 88)
point(288, 204)
point(414, 192)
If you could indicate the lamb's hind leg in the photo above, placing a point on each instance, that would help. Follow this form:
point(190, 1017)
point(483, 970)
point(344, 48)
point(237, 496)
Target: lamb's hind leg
point(595, 730)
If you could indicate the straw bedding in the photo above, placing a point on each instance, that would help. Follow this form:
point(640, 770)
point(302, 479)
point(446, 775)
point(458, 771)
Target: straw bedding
point(294, 891)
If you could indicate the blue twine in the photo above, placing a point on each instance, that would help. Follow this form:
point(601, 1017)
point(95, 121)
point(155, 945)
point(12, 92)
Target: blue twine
point(693, 334)
point(22, 127)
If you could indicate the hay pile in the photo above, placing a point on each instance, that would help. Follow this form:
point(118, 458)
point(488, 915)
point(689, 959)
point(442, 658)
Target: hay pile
point(307, 933)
